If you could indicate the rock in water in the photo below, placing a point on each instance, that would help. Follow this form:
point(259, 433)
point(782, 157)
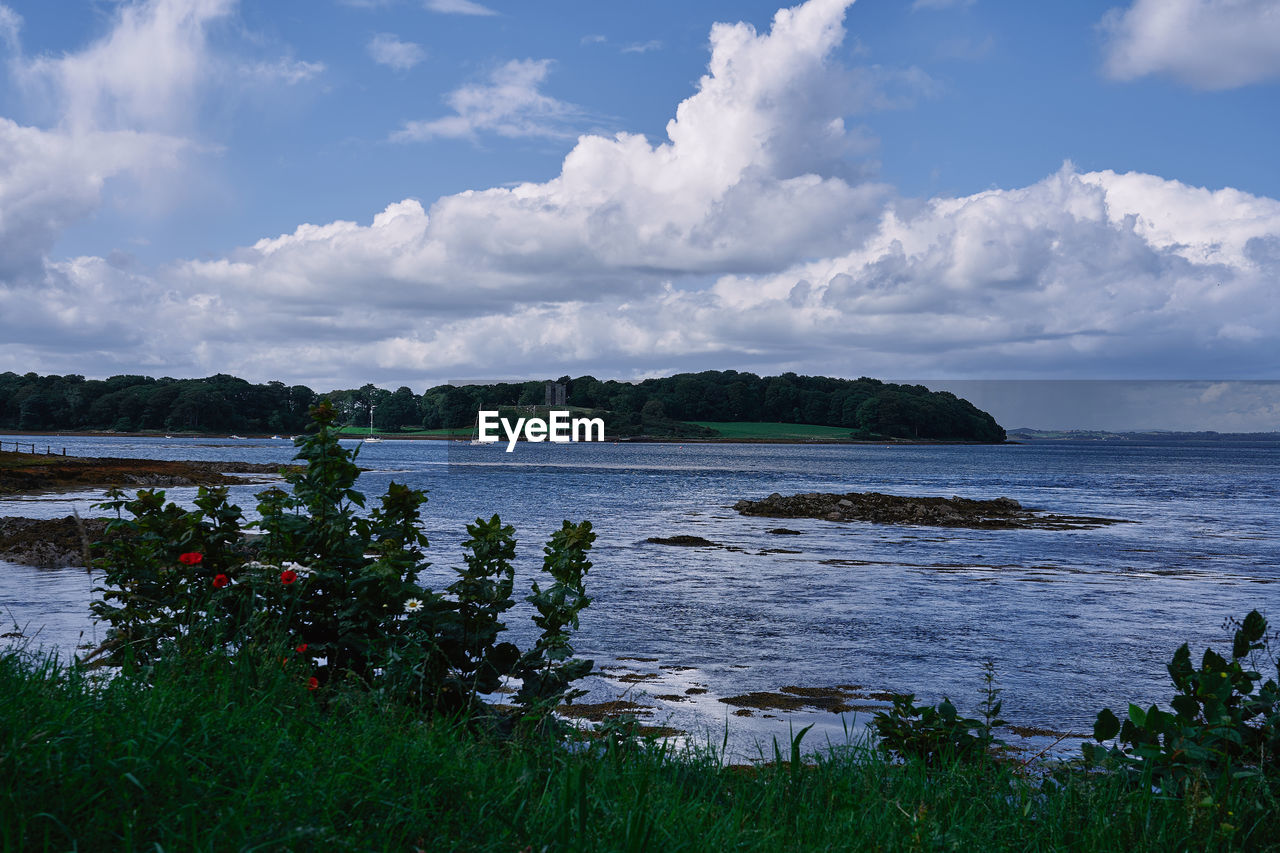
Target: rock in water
point(997, 513)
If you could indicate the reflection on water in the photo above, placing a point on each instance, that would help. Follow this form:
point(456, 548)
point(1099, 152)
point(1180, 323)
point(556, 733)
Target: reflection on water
point(1073, 619)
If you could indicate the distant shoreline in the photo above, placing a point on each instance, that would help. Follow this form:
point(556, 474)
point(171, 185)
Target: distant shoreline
point(1016, 437)
point(463, 437)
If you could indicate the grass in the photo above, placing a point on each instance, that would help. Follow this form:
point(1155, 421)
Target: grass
point(10, 460)
point(218, 756)
point(751, 430)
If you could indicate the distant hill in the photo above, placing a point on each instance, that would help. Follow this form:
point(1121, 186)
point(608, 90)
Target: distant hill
point(673, 406)
point(1147, 436)
point(669, 407)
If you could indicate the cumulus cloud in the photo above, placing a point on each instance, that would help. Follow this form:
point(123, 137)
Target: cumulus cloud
point(118, 108)
point(1205, 44)
point(123, 108)
point(48, 180)
point(142, 74)
point(1078, 270)
point(1079, 274)
point(509, 104)
point(752, 237)
point(387, 49)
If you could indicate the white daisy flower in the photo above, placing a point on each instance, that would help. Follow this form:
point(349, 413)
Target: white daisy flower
point(413, 605)
point(302, 571)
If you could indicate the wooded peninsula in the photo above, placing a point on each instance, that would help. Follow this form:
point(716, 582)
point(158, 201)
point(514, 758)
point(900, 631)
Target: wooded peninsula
point(687, 405)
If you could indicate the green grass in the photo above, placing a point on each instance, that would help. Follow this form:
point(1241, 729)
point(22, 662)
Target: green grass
point(234, 757)
point(788, 432)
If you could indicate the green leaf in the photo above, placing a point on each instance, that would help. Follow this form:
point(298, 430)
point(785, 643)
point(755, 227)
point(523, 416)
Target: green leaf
point(1186, 706)
point(1255, 626)
point(1106, 726)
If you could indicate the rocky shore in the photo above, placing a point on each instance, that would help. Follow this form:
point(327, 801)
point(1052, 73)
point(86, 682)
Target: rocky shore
point(995, 514)
point(64, 542)
point(23, 473)
point(50, 543)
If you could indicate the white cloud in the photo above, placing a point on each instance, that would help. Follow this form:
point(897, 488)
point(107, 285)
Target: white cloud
point(458, 7)
point(1093, 270)
point(750, 237)
point(129, 102)
point(121, 109)
point(284, 70)
point(1205, 44)
point(509, 104)
point(118, 109)
point(48, 180)
point(142, 74)
point(10, 26)
point(387, 49)
point(643, 47)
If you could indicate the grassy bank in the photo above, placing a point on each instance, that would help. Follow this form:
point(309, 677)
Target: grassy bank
point(756, 431)
point(216, 756)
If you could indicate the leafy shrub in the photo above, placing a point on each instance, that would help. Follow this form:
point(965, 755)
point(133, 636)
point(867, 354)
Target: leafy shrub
point(937, 733)
point(1223, 722)
point(333, 592)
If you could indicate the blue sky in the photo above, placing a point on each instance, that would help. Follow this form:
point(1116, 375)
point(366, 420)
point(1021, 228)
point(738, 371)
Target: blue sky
point(406, 191)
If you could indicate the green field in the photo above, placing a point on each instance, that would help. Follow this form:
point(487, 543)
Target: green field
point(752, 430)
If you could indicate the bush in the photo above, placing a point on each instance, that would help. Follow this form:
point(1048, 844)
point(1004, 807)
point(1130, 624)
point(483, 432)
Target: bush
point(1224, 723)
point(334, 593)
point(937, 733)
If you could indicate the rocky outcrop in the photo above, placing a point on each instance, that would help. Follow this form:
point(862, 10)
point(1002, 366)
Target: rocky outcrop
point(50, 543)
point(684, 541)
point(29, 472)
point(998, 513)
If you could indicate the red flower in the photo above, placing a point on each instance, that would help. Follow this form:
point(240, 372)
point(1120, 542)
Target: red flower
point(288, 576)
point(313, 683)
point(191, 558)
point(219, 581)
point(302, 648)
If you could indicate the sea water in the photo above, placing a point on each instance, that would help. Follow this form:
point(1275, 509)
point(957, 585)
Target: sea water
point(1072, 619)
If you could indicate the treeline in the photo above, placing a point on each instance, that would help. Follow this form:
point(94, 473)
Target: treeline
point(867, 407)
point(226, 404)
point(216, 404)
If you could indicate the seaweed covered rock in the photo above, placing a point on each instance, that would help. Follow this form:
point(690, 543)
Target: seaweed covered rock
point(996, 513)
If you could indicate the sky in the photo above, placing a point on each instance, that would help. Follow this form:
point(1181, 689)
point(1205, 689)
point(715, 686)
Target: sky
point(336, 192)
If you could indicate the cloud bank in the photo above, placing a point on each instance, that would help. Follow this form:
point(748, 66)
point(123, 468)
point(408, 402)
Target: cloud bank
point(1205, 44)
point(753, 236)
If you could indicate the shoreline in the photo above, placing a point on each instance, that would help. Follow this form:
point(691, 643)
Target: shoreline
point(37, 473)
point(460, 437)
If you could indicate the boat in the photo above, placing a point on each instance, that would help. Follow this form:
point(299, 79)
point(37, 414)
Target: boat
point(372, 437)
